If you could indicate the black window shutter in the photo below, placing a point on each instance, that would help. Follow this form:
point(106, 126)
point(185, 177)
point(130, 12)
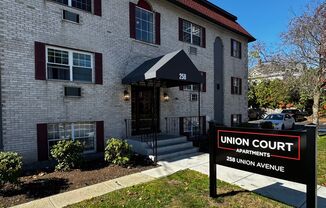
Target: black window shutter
point(158, 28)
point(42, 142)
point(204, 37)
point(240, 50)
point(98, 68)
point(240, 86)
point(132, 19)
point(240, 118)
point(98, 7)
point(40, 63)
point(180, 29)
point(100, 136)
point(232, 88)
point(232, 52)
point(203, 89)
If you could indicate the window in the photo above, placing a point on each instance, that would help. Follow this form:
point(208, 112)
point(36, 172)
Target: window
point(191, 88)
point(81, 131)
point(85, 5)
point(236, 119)
point(64, 64)
point(193, 97)
point(235, 49)
point(236, 85)
point(145, 25)
point(192, 33)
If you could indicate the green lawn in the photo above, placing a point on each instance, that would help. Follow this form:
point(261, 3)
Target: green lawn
point(321, 161)
point(182, 189)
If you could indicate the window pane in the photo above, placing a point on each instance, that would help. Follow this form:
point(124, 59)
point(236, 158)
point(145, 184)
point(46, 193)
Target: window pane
point(82, 74)
point(85, 133)
point(85, 5)
point(58, 72)
point(144, 25)
point(58, 56)
point(82, 60)
point(187, 27)
point(187, 37)
point(196, 40)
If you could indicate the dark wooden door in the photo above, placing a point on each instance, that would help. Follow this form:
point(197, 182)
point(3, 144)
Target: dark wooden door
point(142, 109)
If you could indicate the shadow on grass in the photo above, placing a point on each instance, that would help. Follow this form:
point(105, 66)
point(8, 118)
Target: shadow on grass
point(37, 189)
point(232, 193)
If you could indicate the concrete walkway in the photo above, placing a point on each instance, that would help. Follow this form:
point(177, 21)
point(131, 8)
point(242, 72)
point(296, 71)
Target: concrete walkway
point(280, 190)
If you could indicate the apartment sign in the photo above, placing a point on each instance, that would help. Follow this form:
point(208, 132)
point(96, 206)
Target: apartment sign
point(272, 154)
point(288, 155)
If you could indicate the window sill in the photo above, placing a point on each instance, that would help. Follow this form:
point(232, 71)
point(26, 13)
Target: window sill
point(145, 43)
point(191, 44)
point(68, 21)
point(70, 82)
point(72, 97)
point(77, 9)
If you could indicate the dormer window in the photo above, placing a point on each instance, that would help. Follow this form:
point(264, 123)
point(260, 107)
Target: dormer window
point(144, 23)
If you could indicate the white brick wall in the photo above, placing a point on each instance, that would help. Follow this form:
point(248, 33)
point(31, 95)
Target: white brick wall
point(27, 101)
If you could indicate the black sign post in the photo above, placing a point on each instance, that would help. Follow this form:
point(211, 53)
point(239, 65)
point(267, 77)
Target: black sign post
point(312, 167)
point(288, 155)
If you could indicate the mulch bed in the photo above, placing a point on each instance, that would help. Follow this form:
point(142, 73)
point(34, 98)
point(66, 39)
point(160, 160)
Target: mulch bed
point(47, 182)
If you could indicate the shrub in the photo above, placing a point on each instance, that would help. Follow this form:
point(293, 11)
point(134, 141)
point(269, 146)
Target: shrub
point(117, 152)
point(10, 167)
point(267, 125)
point(68, 154)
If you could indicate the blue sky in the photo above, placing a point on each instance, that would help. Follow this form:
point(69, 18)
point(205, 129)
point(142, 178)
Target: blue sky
point(264, 19)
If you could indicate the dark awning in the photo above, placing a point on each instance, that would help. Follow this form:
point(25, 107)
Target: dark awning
point(171, 70)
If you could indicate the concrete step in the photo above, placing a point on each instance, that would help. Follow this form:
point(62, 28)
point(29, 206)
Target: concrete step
point(171, 148)
point(176, 154)
point(171, 141)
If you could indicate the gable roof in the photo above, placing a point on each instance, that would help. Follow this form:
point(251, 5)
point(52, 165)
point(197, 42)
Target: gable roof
point(214, 14)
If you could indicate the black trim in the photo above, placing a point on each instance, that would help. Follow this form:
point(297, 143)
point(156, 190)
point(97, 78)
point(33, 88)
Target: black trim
point(178, 70)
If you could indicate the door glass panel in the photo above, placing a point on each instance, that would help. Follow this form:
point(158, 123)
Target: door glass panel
point(142, 110)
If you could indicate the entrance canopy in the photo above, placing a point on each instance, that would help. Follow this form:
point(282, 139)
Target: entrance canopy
point(171, 70)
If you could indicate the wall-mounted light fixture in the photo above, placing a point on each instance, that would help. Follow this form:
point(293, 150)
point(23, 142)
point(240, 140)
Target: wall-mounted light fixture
point(166, 97)
point(126, 95)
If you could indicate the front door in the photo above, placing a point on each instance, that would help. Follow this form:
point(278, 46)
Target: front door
point(142, 109)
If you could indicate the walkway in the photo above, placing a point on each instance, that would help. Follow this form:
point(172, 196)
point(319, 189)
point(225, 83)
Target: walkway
point(280, 190)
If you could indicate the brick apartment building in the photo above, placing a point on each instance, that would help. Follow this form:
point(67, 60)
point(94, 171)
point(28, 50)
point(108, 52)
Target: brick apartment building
point(87, 69)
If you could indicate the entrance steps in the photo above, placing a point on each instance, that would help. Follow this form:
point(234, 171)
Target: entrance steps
point(172, 148)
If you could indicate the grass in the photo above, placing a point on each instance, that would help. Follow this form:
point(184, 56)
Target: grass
point(183, 189)
point(321, 161)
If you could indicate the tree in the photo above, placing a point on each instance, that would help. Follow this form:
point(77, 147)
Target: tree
point(305, 41)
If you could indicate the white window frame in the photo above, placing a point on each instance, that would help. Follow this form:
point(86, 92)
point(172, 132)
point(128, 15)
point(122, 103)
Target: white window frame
point(154, 25)
point(190, 88)
point(70, 63)
point(193, 97)
point(236, 85)
point(73, 136)
point(236, 48)
point(191, 32)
